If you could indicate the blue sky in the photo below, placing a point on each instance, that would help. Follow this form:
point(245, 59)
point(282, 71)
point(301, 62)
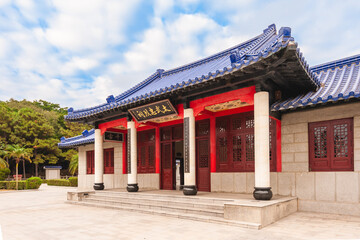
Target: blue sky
point(77, 52)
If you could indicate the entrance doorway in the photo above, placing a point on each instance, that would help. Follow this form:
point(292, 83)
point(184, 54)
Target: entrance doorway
point(172, 164)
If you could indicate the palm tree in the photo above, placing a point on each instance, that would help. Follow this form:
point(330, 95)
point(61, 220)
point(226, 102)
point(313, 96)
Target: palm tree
point(18, 153)
point(74, 163)
point(3, 163)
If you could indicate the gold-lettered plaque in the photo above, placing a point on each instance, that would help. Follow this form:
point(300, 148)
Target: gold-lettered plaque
point(153, 111)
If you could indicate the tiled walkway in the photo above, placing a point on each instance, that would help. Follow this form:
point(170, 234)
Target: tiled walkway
point(44, 215)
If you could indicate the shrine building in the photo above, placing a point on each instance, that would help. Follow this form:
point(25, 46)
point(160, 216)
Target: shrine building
point(254, 118)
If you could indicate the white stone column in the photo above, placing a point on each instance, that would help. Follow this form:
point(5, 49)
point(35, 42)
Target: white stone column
point(189, 153)
point(99, 160)
point(132, 158)
point(262, 159)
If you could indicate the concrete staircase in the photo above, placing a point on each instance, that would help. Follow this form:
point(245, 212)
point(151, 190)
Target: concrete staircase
point(185, 207)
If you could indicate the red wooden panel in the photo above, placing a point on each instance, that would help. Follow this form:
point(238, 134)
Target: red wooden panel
point(109, 161)
point(90, 162)
point(146, 151)
point(203, 155)
point(167, 168)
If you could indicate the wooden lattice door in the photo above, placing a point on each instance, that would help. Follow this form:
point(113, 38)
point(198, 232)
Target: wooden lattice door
point(167, 168)
point(203, 155)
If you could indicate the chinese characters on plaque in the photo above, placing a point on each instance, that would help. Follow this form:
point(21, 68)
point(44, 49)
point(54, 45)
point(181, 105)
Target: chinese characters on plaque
point(113, 136)
point(153, 110)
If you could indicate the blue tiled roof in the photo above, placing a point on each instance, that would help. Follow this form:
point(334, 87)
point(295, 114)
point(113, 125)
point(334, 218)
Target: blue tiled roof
point(339, 80)
point(85, 138)
point(232, 59)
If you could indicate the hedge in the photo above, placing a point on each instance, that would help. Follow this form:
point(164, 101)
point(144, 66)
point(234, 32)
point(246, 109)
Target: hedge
point(12, 185)
point(33, 183)
point(58, 182)
point(73, 181)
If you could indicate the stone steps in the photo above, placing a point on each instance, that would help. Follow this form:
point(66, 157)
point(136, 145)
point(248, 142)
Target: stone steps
point(158, 201)
point(181, 198)
point(158, 206)
point(181, 215)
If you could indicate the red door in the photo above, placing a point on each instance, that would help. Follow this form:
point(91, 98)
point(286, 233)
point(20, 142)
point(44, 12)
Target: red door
point(167, 168)
point(203, 155)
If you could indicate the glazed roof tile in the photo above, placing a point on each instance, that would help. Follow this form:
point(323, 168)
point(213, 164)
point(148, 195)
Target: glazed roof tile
point(339, 80)
point(232, 59)
point(85, 138)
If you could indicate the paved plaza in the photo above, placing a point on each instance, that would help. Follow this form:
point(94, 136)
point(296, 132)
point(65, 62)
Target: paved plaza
point(43, 214)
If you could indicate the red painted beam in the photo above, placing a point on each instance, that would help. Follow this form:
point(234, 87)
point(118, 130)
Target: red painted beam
point(243, 94)
point(115, 123)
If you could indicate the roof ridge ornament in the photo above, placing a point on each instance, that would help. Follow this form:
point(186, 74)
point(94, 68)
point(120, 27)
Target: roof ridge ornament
point(110, 99)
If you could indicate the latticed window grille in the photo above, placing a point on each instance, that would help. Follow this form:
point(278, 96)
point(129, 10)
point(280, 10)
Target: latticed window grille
point(235, 147)
point(331, 145)
point(146, 151)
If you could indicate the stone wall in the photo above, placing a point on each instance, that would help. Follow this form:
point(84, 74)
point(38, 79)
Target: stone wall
point(116, 180)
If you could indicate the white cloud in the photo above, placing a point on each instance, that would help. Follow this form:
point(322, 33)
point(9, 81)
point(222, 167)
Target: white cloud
point(88, 25)
point(68, 51)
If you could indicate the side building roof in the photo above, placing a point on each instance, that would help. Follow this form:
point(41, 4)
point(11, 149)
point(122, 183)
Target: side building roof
point(86, 137)
point(339, 81)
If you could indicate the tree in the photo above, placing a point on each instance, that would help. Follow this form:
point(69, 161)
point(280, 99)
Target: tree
point(74, 163)
point(18, 153)
point(3, 155)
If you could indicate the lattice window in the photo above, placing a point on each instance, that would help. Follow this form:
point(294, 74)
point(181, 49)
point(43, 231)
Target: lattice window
point(143, 156)
point(250, 151)
point(236, 123)
point(320, 142)
point(151, 151)
point(249, 123)
point(331, 145)
point(237, 151)
point(221, 125)
point(202, 128)
point(178, 132)
point(166, 134)
point(146, 151)
point(341, 140)
point(222, 150)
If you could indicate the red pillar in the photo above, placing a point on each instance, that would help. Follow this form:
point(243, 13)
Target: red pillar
point(157, 150)
point(212, 144)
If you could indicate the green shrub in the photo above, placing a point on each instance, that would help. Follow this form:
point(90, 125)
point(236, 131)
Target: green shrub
point(33, 183)
point(58, 182)
point(4, 173)
point(73, 181)
point(12, 185)
point(3, 184)
point(44, 180)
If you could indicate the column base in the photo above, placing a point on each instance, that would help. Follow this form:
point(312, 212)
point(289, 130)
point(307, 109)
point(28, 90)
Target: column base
point(132, 187)
point(99, 186)
point(262, 193)
point(189, 190)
